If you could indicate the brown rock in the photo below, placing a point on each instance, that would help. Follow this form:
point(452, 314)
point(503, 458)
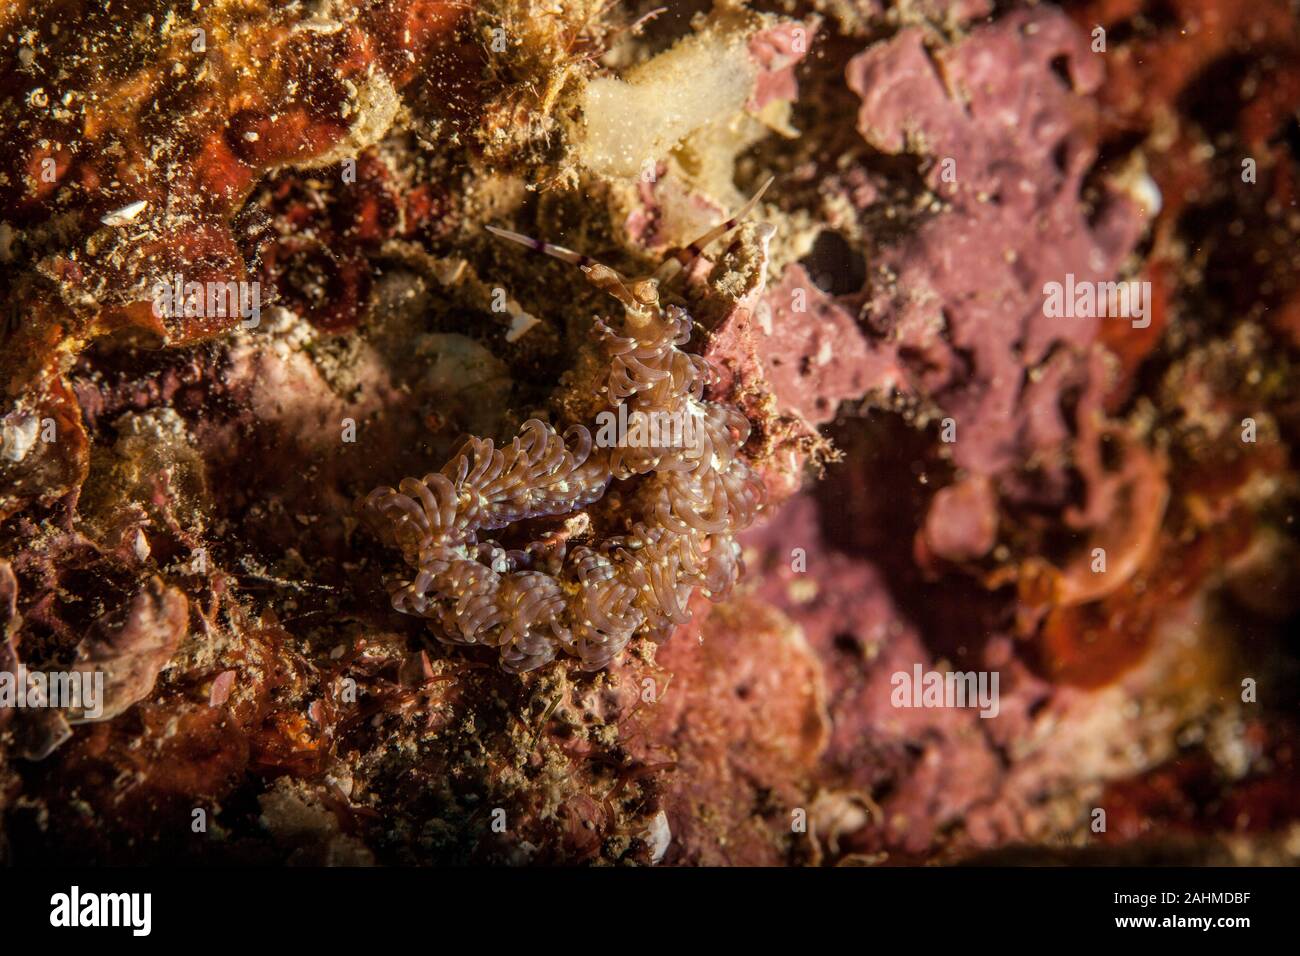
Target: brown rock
point(132, 651)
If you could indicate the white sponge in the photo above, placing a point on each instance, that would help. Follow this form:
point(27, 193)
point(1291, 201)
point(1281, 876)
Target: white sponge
point(638, 120)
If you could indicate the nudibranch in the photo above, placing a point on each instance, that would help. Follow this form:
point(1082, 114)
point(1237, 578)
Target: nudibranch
point(685, 503)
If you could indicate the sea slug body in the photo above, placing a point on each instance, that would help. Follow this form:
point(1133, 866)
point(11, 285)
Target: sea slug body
point(685, 505)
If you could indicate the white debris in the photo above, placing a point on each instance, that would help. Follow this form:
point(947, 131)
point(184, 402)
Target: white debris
point(141, 546)
point(520, 323)
point(318, 24)
point(1147, 193)
point(120, 217)
point(658, 836)
point(17, 435)
point(1134, 181)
